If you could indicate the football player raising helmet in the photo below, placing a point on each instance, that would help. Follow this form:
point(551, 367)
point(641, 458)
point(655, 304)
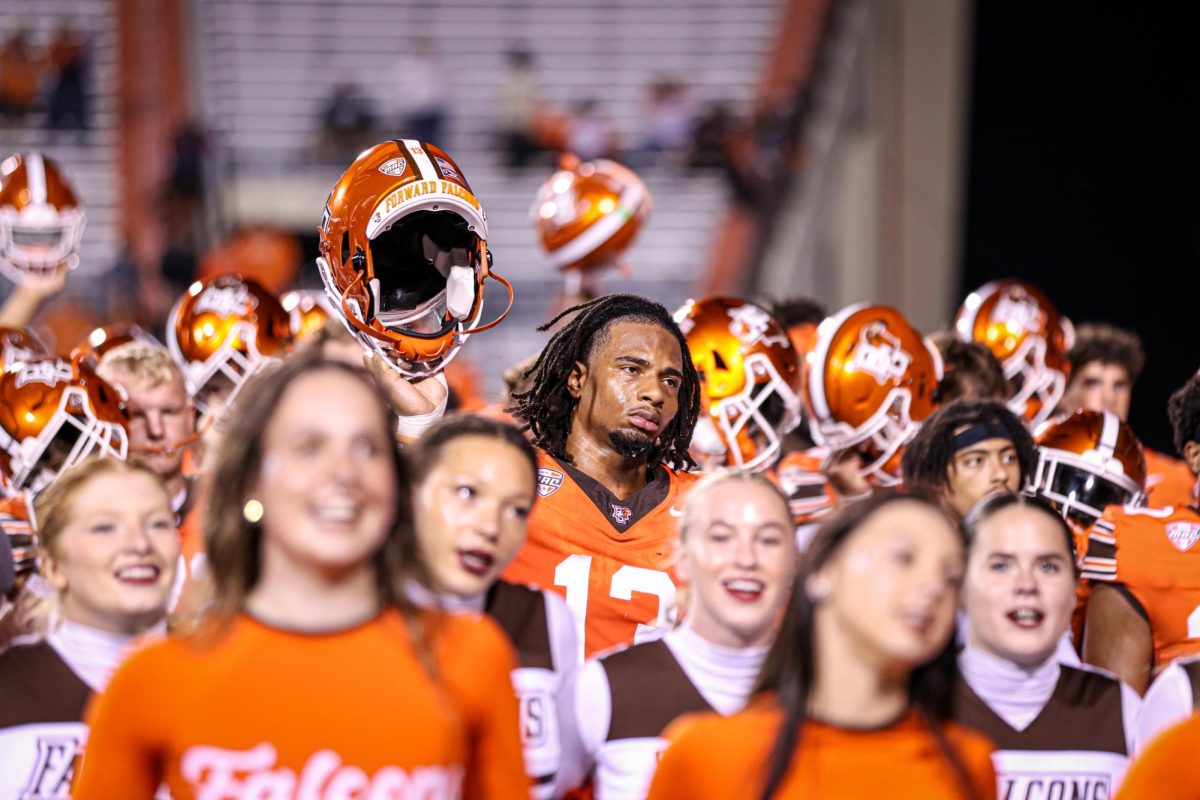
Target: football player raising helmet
point(404, 255)
point(1088, 461)
point(750, 377)
point(54, 413)
point(221, 332)
point(1031, 339)
point(869, 382)
point(41, 218)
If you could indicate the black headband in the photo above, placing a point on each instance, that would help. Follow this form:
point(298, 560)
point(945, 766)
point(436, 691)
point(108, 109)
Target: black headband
point(981, 432)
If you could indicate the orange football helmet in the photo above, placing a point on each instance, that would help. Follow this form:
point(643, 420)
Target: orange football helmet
point(588, 213)
point(226, 327)
point(18, 344)
point(1031, 339)
point(53, 414)
point(869, 383)
point(41, 218)
point(404, 255)
point(308, 311)
point(101, 340)
point(1088, 461)
point(750, 380)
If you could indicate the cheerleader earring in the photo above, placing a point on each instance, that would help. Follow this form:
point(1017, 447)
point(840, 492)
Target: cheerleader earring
point(252, 512)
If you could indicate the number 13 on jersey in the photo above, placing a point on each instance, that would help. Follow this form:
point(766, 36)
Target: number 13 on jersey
point(631, 606)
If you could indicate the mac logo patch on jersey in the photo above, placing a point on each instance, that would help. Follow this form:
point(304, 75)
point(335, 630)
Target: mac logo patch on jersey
point(549, 481)
point(621, 514)
point(1183, 534)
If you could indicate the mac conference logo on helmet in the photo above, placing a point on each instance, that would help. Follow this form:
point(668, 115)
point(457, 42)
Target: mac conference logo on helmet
point(880, 354)
point(394, 167)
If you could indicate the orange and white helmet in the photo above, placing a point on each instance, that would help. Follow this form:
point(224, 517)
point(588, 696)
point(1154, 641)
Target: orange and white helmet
point(404, 255)
point(1030, 338)
point(1088, 461)
point(105, 338)
point(750, 380)
point(588, 213)
point(41, 218)
point(19, 344)
point(869, 383)
point(227, 327)
point(53, 414)
point(308, 311)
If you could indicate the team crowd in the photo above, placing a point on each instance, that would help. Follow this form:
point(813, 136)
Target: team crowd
point(730, 550)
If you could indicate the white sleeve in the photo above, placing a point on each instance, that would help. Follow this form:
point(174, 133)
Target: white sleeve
point(584, 725)
point(1168, 701)
point(564, 643)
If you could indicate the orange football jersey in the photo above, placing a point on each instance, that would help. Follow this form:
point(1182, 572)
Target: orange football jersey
point(726, 757)
point(1152, 553)
point(263, 712)
point(1169, 482)
point(611, 559)
point(810, 496)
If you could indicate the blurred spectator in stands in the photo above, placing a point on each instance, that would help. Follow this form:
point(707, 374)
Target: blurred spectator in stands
point(20, 74)
point(422, 94)
point(670, 120)
point(183, 202)
point(520, 100)
point(709, 137)
point(347, 123)
point(66, 102)
point(592, 133)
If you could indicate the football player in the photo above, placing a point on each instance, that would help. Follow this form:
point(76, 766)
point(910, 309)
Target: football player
point(109, 551)
point(970, 371)
point(1061, 730)
point(1105, 364)
point(968, 450)
point(474, 481)
point(1146, 572)
point(612, 404)
point(856, 687)
point(738, 556)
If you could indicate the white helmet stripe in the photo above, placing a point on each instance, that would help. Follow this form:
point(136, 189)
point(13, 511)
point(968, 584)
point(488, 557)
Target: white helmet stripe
point(35, 174)
point(424, 165)
point(816, 367)
point(1108, 434)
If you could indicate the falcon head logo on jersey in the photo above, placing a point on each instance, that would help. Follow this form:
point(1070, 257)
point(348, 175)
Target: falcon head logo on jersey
point(621, 514)
point(1183, 534)
point(548, 481)
point(880, 354)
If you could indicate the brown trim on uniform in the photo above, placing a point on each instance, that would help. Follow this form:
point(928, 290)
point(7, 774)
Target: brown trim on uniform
point(622, 514)
point(521, 613)
point(38, 686)
point(649, 691)
point(1192, 670)
point(1085, 712)
point(1134, 603)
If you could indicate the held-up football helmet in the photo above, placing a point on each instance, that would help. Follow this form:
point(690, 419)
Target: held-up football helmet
point(750, 378)
point(1088, 461)
point(18, 344)
point(55, 413)
point(308, 311)
point(227, 328)
point(404, 255)
point(1023, 330)
point(869, 383)
point(109, 337)
point(41, 218)
point(588, 213)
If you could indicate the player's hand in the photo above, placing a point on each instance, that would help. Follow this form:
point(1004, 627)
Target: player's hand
point(409, 398)
point(45, 285)
point(844, 471)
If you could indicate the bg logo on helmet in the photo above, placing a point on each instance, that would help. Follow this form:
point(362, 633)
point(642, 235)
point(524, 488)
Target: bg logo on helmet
point(880, 355)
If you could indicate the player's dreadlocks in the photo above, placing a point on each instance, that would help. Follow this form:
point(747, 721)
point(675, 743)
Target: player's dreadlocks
point(1184, 411)
point(547, 406)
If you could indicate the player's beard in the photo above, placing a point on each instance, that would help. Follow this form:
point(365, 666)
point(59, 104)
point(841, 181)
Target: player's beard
point(630, 445)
